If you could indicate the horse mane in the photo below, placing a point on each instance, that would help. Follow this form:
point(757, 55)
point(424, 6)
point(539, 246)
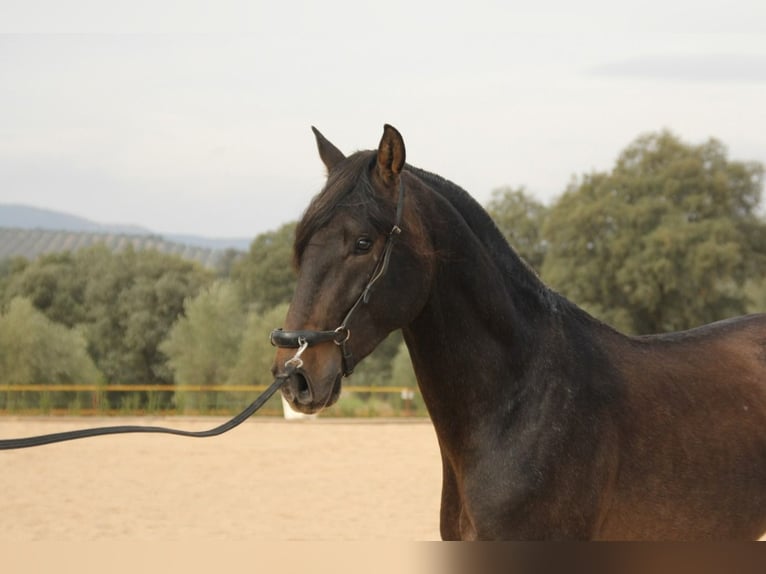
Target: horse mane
point(526, 290)
point(349, 187)
point(513, 268)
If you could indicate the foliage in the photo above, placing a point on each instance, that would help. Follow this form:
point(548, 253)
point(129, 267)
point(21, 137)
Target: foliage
point(266, 275)
point(256, 355)
point(34, 349)
point(132, 303)
point(10, 268)
point(55, 284)
point(756, 291)
point(402, 374)
point(216, 343)
point(124, 303)
point(520, 219)
point(203, 344)
point(375, 369)
point(665, 241)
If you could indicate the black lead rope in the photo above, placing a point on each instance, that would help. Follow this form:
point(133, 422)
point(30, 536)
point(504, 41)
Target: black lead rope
point(285, 339)
point(84, 433)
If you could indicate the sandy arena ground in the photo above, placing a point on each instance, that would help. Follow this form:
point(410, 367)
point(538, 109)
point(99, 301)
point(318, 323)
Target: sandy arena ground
point(266, 480)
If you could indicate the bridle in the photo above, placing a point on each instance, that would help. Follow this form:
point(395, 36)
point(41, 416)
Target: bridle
point(304, 339)
point(300, 340)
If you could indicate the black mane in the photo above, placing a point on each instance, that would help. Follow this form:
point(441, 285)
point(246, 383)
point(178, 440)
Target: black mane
point(348, 188)
point(514, 269)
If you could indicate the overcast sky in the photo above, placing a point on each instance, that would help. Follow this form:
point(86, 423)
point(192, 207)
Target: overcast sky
point(188, 119)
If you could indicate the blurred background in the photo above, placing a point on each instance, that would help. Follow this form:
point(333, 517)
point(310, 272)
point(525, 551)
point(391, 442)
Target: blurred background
point(155, 156)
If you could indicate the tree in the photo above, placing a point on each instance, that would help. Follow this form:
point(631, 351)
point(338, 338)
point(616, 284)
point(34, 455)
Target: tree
point(402, 373)
point(55, 284)
point(376, 369)
point(665, 241)
point(520, 219)
point(34, 349)
point(756, 291)
point(203, 344)
point(256, 355)
point(132, 300)
point(266, 275)
point(9, 270)
point(125, 303)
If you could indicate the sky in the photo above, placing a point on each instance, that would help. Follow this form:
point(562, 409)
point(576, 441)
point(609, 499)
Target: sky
point(189, 117)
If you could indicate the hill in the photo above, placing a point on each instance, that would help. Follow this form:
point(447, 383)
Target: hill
point(27, 217)
point(28, 232)
point(30, 243)
point(17, 216)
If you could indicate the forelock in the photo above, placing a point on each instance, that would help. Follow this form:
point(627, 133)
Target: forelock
point(348, 188)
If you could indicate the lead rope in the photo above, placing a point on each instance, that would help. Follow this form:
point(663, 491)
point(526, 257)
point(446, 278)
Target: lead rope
point(290, 366)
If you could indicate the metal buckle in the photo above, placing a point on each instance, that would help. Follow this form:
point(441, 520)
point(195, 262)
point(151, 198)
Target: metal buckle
point(346, 338)
point(295, 361)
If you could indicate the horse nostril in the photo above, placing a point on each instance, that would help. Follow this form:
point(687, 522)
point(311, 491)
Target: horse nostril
point(304, 391)
point(297, 390)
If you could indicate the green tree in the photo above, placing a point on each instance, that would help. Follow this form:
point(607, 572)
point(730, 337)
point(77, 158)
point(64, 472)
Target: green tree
point(132, 300)
point(376, 369)
point(520, 218)
point(203, 344)
point(266, 274)
point(256, 355)
point(756, 291)
point(34, 349)
point(9, 270)
point(402, 373)
point(55, 284)
point(665, 241)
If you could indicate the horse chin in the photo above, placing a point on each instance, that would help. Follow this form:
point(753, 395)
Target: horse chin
point(307, 397)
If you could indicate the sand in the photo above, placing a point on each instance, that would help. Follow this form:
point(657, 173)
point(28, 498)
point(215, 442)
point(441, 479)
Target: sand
point(268, 479)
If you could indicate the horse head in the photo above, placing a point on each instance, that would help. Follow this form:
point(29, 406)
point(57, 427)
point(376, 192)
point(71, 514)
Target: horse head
point(361, 271)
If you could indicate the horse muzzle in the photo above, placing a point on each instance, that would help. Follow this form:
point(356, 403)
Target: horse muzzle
point(307, 397)
point(311, 388)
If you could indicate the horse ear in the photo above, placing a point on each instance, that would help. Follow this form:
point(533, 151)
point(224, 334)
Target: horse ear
point(391, 155)
point(330, 155)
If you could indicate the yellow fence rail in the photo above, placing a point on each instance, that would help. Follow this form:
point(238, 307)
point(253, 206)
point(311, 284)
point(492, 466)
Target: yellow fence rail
point(91, 398)
point(91, 388)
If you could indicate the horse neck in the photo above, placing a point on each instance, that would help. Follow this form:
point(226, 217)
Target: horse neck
point(476, 337)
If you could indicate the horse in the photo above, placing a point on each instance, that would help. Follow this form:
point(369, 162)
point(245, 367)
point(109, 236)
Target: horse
point(551, 424)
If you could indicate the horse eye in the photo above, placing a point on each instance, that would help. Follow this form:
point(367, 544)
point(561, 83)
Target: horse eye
point(363, 245)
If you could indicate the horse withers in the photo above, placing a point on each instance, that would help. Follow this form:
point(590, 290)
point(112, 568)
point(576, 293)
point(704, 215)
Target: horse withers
point(551, 424)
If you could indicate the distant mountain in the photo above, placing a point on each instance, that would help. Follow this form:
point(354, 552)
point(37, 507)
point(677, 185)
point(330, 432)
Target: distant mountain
point(27, 217)
point(17, 216)
point(31, 243)
point(30, 231)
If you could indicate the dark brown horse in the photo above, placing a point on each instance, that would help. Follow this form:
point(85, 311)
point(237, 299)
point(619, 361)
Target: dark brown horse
point(551, 424)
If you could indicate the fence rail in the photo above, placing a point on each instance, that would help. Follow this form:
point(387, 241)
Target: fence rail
point(91, 388)
point(125, 399)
